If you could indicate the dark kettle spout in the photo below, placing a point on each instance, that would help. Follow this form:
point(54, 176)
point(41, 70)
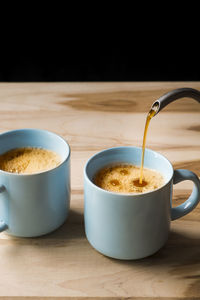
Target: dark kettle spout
point(173, 95)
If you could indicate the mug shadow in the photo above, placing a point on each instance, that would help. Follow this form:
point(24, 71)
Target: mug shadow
point(180, 258)
point(66, 237)
point(72, 228)
point(180, 250)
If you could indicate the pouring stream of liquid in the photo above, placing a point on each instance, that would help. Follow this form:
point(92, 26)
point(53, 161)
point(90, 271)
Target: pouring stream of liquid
point(150, 115)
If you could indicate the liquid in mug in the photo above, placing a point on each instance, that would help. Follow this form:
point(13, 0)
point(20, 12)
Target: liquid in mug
point(123, 178)
point(29, 160)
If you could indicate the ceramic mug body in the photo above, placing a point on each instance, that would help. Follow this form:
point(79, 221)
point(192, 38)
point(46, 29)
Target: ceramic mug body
point(34, 204)
point(132, 226)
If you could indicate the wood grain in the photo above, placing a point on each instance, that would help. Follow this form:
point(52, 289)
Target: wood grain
point(92, 117)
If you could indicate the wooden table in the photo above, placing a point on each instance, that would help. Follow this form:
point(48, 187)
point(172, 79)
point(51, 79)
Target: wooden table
point(92, 117)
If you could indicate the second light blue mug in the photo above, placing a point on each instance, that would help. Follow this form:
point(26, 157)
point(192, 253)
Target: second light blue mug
point(133, 226)
point(34, 204)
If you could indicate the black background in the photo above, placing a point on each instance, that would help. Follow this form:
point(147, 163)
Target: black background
point(84, 54)
point(113, 64)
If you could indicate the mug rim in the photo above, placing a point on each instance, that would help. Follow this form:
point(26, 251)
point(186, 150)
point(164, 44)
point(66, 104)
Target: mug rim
point(39, 130)
point(126, 194)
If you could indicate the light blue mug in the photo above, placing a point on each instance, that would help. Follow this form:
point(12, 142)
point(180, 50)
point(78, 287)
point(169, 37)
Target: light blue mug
point(34, 204)
point(133, 226)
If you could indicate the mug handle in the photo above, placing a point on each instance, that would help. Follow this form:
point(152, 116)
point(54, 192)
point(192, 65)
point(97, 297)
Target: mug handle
point(3, 225)
point(193, 200)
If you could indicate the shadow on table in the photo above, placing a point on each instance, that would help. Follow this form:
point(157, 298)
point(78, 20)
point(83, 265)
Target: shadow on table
point(73, 228)
point(180, 257)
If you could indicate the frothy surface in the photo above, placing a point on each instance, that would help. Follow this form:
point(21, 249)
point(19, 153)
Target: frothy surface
point(29, 160)
point(124, 178)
